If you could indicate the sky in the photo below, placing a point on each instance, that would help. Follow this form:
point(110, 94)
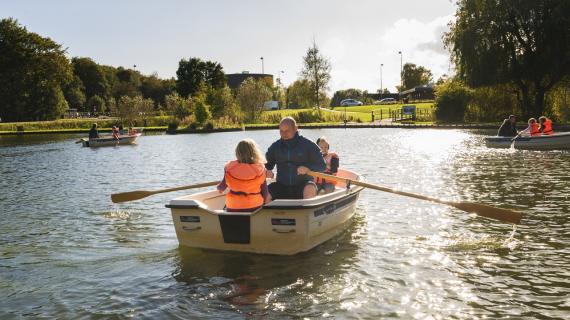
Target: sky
point(357, 36)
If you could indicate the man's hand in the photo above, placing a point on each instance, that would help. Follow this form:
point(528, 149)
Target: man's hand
point(269, 174)
point(302, 170)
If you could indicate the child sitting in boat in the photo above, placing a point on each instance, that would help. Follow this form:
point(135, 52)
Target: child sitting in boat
point(532, 128)
point(545, 125)
point(332, 162)
point(115, 132)
point(245, 177)
point(132, 131)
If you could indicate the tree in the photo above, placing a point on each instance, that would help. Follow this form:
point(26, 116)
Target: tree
point(414, 76)
point(92, 76)
point(521, 42)
point(222, 103)
point(299, 95)
point(201, 111)
point(128, 83)
point(178, 106)
point(157, 89)
point(74, 93)
point(33, 73)
point(451, 101)
point(251, 97)
point(129, 109)
point(316, 70)
point(95, 104)
point(191, 74)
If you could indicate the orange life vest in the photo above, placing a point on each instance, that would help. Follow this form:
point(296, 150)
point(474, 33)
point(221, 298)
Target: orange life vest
point(534, 129)
point(328, 159)
point(244, 181)
point(547, 127)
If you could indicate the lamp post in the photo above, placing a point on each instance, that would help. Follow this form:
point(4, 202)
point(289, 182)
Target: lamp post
point(262, 67)
point(401, 72)
point(381, 87)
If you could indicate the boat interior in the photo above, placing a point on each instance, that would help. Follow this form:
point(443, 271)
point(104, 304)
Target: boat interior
point(214, 201)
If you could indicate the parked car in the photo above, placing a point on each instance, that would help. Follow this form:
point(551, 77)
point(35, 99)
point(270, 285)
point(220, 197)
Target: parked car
point(350, 102)
point(386, 101)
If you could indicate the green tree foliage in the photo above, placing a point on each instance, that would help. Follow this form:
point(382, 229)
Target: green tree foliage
point(127, 84)
point(525, 43)
point(152, 87)
point(300, 95)
point(95, 104)
point(490, 104)
point(223, 104)
point(559, 98)
point(130, 109)
point(92, 76)
point(316, 70)
point(178, 106)
point(33, 73)
point(201, 110)
point(251, 96)
point(451, 101)
point(193, 73)
point(414, 76)
point(74, 93)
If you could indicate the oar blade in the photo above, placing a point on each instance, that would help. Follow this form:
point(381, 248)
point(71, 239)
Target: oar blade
point(130, 196)
point(487, 211)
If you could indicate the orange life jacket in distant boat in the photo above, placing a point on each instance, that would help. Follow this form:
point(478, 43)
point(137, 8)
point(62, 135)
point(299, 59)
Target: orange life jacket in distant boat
point(244, 181)
point(328, 160)
point(547, 127)
point(534, 129)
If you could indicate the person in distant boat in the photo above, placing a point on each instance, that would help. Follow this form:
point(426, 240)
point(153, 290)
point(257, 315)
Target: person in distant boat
point(532, 128)
point(93, 133)
point(245, 177)
point(545, 125)
point(509, 127)
point(132, 131)
point(294, 156)
point(332, 163)
point(115, 132)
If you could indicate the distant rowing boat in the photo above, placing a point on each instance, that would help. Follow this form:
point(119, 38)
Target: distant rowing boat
point(110, 141)
point(557, 141)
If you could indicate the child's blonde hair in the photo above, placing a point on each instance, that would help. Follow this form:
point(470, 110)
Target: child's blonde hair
point(531, 120)
point(248, 152)
point(323, 139)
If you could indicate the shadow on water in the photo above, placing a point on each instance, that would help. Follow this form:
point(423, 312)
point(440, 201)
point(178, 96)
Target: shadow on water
point(262, 285)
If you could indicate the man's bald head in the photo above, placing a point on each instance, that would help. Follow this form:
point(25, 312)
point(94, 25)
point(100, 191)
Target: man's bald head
point(287, 128)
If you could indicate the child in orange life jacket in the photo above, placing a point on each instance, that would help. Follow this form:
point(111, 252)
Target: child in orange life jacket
point(245, 177)
point(532, 128)
point(545, 125)
point(332, 162)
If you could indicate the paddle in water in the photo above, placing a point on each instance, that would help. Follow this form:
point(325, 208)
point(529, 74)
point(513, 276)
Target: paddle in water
point(483, 210)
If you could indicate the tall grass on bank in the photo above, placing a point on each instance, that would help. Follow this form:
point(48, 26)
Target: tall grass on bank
point(70, 124)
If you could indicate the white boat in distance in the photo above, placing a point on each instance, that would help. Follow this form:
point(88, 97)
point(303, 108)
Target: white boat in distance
point(110, 141)
point(556, 141)
point(282, 227)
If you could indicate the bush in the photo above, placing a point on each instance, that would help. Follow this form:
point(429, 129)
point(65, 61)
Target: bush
point(209, 125)
point(451, 101)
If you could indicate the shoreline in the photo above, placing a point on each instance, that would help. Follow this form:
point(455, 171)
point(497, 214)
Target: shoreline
point(564, 127)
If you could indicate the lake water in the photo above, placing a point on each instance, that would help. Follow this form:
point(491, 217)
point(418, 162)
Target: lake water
point(67, 252)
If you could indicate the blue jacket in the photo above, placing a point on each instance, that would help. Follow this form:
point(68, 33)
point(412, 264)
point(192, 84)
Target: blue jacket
point(293, 153)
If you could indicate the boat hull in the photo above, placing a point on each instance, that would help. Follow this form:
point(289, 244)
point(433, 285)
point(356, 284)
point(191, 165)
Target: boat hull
point(110, 141)
point(557, 141)
point(282, 227)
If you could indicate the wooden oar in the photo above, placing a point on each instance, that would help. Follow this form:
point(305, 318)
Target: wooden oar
point(136, 195)
point(483, 210)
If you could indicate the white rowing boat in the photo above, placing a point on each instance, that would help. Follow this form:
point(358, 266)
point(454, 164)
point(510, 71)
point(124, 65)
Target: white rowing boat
point(110, 141)
point(283, 227)
point(556, 141)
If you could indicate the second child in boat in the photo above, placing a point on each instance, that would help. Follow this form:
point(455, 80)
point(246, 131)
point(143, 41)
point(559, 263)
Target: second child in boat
point(115, 132)
point(332, 163)
point(532, 129)
point(545, 125)
point(245, 177)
